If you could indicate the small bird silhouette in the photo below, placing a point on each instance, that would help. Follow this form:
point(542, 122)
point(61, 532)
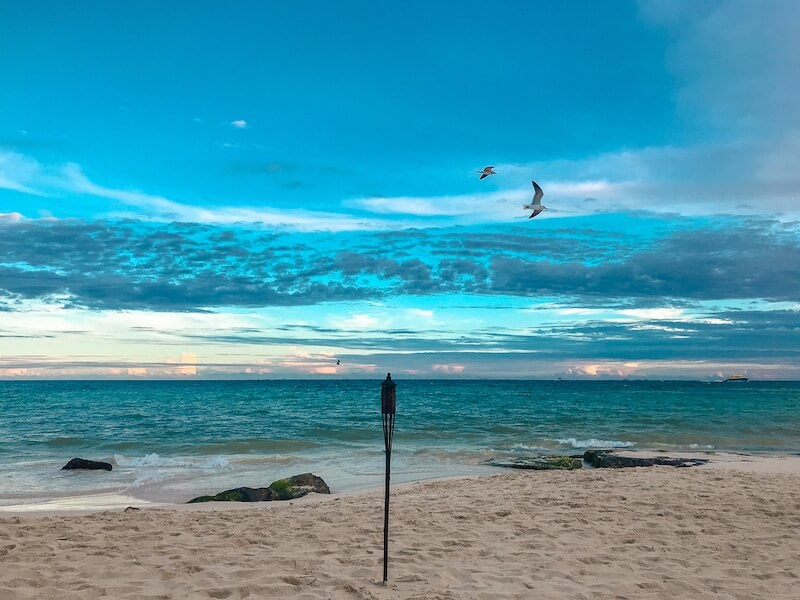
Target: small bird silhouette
point(338, 362)
point(486, 172)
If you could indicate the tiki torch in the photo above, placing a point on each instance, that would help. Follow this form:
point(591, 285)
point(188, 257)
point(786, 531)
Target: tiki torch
point(388, 409)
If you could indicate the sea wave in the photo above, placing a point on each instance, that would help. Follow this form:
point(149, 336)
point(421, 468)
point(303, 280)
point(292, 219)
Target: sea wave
point(526, 448)
point(154, 460)
point(594, 443)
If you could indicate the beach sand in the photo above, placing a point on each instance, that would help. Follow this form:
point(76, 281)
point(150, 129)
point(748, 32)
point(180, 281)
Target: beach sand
point(661, 532)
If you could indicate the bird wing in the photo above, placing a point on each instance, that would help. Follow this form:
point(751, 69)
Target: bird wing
point(538, 194)
point(536, 212)
point(483, 176)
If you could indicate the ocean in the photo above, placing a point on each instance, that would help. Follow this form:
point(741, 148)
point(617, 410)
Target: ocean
point(173, 440)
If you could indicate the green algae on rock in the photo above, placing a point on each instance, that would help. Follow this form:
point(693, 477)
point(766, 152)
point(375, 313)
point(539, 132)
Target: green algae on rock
point(290, 488)
point(538, 463)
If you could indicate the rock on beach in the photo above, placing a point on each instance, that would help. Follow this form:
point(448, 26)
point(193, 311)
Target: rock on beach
point(290, 488)
point(82, 463)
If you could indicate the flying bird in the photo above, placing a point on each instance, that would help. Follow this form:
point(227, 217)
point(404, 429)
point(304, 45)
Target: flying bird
point(486, 172)
point(536, 203)
point(338, 362)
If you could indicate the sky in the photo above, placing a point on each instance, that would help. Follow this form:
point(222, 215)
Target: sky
point(194, 190)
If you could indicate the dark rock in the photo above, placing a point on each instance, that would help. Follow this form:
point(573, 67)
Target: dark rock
point(241, 494)
point(283, 489)
point(606, 459)
point(298, 486)
point(82, 463)
point(538, 463)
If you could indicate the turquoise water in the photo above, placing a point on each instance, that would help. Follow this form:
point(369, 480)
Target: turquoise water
point(174, 440)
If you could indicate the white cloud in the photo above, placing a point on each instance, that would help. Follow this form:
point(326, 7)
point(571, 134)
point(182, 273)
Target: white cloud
point(13, 217)
point(655, 314)
point(24, 174)
point(18, 172)
point(606, 369)
point(239, 124)
point(488, 206)
point(749, 177)
point(357, 321)
point(187, 368)
point(741, 178)
point(448, 369)
point(14, 373)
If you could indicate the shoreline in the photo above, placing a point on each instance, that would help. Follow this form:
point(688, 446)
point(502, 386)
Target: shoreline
point(90, 503)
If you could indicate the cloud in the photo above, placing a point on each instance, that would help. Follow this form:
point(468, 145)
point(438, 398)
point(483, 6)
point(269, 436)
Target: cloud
point(735, 61)
point(187, 368)
point(448, 369)
point(611, 342)
point(699, 264)
point(745, 177)
point(18, 373)
point(18, 172)
point(358, 321)
point(239, 124)
point(13, 217)
point(198, 267)
point(24, 174)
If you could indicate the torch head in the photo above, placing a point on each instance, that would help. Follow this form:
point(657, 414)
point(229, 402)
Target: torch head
point(388, 396)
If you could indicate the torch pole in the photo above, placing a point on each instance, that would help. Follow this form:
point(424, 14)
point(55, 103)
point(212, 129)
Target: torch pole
point(388, 410)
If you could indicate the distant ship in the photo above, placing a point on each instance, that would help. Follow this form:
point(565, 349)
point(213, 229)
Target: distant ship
point(738, 377)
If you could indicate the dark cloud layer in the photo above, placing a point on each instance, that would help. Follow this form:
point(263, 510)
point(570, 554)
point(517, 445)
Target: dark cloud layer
point(197, 267)
point(701, 265)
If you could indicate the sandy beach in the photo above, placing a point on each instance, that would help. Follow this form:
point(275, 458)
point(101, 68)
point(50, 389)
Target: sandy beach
point(651, 533)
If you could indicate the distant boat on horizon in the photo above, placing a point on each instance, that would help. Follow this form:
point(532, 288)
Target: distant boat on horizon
point(737, 377)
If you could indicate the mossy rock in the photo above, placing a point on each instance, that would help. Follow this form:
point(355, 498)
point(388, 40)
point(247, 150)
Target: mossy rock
point(283, 489)
point(539, 463)
point(298, 486)
point(242, 494)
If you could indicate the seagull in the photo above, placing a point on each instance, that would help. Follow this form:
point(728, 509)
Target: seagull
point(536, 203)
point(486, 172)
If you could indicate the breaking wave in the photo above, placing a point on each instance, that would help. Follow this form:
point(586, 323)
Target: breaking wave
point(525, 448)
point(594, 443)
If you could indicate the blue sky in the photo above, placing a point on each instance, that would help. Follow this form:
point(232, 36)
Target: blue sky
point(260, 189)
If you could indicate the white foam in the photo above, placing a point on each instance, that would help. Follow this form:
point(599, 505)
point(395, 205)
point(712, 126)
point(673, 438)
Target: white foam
point(594, 443)
point(154, 460)
point(516, 447)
